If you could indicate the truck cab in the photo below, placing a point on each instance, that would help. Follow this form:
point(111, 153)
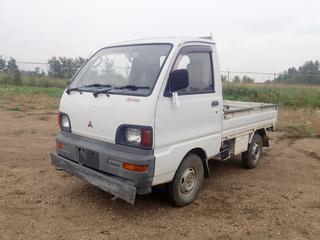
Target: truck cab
point(149, 112)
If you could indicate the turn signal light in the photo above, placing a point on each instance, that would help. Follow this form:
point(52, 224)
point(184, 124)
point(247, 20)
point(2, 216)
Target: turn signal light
point(134, 167)
point(59, 145)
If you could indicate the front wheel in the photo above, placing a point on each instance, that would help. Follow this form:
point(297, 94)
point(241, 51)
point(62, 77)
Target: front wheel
point(187, 182)
point(251, 158)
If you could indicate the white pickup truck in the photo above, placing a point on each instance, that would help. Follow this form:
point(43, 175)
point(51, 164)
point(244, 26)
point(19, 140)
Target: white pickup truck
point(149, 112)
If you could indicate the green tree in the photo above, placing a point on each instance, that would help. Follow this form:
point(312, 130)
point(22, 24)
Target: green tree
point(308, 73)
point(63, 67)
point(67, 67)
point(246, 79)
point(12, 65)
point(55, 68)
point(78, 62)
point(3, 64)
point(14, 72)
point(236, 79)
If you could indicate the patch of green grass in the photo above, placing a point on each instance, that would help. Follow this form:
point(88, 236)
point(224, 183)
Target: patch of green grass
point(32, 80)
point(53, 107)
point(14, 109)
point(20, 132)
point(284, 94)
point(6, 90)
point(297, 130)
point(299, 96)
point(305, 130)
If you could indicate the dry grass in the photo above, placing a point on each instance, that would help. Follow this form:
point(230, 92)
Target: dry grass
point(304, 122)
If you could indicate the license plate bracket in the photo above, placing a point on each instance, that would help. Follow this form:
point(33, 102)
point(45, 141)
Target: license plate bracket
point(88, 158)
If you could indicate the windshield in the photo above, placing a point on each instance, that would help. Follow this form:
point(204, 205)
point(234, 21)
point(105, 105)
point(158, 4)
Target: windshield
point(127, 69)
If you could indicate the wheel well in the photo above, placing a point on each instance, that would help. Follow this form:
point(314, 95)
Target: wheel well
point(202, 154)
point(263, 133)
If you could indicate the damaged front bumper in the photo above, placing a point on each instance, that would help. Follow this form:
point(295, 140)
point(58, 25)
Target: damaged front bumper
point(117, 186)
point(101, 164)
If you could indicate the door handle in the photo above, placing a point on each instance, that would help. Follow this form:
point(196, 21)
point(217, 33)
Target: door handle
point(214, 103)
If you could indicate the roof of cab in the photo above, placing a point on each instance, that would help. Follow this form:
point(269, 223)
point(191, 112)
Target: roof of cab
point(172, 40)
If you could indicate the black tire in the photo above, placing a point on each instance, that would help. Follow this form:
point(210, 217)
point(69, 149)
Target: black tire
point(187, 182)
point(251, 158)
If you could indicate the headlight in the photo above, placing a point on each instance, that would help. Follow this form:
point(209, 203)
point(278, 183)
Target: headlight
point(65, 122)
point(135, 136)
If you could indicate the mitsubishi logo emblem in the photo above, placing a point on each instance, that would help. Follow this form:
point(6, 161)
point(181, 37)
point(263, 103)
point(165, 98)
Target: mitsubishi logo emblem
point(90, 124)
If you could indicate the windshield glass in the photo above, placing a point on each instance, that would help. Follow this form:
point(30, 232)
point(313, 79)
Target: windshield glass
point(120, 67)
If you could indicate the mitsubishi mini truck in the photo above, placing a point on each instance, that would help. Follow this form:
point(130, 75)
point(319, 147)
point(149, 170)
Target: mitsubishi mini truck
point(149, 112)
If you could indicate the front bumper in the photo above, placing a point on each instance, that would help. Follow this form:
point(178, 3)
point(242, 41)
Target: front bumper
point(117, 186)
point(97, 161)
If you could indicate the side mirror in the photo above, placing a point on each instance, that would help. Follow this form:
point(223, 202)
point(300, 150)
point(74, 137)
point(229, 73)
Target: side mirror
point(178, 79)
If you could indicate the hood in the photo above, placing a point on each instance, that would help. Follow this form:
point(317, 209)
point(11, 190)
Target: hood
point(99, 117)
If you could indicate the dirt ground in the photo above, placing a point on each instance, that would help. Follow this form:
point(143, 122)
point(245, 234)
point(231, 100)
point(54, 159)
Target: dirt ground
point(278, 200)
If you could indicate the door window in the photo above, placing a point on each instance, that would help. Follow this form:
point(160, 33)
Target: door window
point(199, 66)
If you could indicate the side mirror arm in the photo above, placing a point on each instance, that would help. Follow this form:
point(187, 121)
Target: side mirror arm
point(175, 100)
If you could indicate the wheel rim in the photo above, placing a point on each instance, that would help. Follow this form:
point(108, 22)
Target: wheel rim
point(188, 180)
point(256, 151)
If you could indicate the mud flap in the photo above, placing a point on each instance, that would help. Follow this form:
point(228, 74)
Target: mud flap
point(206, 168)
point(116, 186)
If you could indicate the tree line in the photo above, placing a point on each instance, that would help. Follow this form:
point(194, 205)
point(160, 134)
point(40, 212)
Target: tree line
point(58, 67)
point(11, 68)
point(65, 68)
point(238, 79)
point(8, 65)
point(308, 73)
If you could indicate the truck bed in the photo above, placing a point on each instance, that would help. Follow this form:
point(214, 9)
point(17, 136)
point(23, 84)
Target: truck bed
point(244, 117)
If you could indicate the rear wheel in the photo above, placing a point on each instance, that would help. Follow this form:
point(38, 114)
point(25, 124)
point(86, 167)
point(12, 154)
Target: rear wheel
point(251, 158)
point(187, 182)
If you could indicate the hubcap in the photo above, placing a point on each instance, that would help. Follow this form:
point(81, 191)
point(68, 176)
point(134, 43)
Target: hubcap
point(256, 150)
point(188, 180)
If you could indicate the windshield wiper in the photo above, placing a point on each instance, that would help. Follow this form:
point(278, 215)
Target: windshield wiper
point(105, 90)
point(132, 87)
point(98, 85)
point(69, 90)
point(80, 89)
